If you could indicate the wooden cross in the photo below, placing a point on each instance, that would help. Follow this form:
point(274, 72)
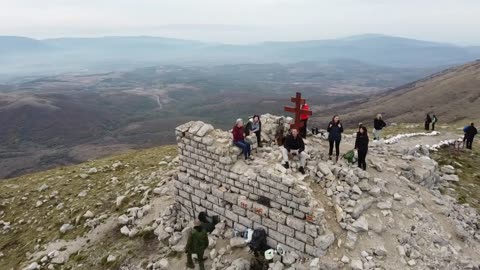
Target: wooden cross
point(297, 110)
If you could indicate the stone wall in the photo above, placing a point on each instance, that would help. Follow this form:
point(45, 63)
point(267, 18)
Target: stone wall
point(214, 178)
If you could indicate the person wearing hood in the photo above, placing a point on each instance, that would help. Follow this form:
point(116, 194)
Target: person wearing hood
point(470, 133)
point(335, 129)
point(304, 119)
point(196, 244)
point(239, 139)
point(361, 144)
point(378, 125)
point(256, 128)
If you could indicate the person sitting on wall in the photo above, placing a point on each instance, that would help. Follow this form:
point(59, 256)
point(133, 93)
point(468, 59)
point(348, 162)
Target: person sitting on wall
point(239, 139)
point(294, 146)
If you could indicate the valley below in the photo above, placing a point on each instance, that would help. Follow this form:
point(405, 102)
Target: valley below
point(69, 118)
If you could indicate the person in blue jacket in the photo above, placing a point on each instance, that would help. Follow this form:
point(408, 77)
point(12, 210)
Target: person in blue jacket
point(470, 133)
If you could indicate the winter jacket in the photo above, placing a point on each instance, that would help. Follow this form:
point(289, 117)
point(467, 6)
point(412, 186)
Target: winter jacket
point(248, 128)
point(471, 132)
point(428, 119)
point(238, 134)
point(305, 116)
point(378, 124)
point(361, 142)
point(292, 143)
point(256, 127)
point(335, 131)
point(197, 241)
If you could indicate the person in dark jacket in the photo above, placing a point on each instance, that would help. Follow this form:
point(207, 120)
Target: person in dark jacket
point(434, 120)
point(248, 127)
point(239, 138)
point(428, 120)
point(207, 225)
point(335, 129)
point(304, 120)
point(196, 244)
point(280, 132)
point(361, 144)
point(294, 146)
point(470, 133)
point(378, 125)
point(256, 128)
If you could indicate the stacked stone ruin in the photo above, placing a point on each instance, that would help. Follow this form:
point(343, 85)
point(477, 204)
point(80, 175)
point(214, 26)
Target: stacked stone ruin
point(214, 178)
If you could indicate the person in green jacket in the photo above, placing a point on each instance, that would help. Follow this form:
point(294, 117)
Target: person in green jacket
point(196, 244)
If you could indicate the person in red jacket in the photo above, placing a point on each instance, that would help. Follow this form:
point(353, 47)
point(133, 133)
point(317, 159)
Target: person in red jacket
point(304, 119)
point(238, 132)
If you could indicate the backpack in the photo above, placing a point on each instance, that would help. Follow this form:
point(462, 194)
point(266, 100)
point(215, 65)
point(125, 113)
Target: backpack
point(350, 156)
point(259, 240)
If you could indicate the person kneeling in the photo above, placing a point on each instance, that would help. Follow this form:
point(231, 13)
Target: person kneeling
point(294, 146)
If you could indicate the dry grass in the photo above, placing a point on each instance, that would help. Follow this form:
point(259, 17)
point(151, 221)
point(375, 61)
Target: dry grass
point(452, 94)
point(34, 226)
point(467, 164)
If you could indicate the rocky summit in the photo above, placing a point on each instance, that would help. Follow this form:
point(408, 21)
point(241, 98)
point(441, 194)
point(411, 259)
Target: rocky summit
point(135, 211)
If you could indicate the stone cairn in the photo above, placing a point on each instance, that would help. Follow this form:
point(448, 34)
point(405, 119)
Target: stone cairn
point(214, 178)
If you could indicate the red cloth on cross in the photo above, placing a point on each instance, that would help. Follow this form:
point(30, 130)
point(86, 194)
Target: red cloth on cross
point(305, 116)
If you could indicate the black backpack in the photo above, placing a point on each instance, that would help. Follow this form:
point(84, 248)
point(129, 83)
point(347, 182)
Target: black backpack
point(259, 240)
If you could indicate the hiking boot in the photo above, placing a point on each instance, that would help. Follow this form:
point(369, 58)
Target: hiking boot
point(302, 170)
point(336, 159)
point(329, 157)
point(286, 165)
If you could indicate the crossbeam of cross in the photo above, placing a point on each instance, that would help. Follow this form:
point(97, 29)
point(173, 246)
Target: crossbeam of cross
point(297, 110)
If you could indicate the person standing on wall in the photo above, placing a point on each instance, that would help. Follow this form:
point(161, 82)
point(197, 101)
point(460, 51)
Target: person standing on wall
point(304, 119)
point(428, 120)
point(335, 129)
point(378, 125)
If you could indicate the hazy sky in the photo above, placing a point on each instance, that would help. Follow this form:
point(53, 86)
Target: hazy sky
point(244, 21)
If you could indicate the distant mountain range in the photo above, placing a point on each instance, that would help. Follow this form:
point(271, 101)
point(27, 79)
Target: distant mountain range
point(26, 55)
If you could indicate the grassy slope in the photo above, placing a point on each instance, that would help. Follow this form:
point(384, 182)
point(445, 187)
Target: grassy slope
point(32, 225)
point(467, 164)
